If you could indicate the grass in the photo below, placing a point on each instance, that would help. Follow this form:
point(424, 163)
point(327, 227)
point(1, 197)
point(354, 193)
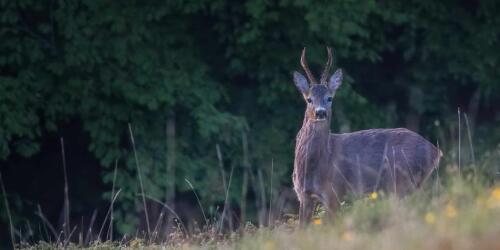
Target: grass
point(464, 213)
point(459, 209)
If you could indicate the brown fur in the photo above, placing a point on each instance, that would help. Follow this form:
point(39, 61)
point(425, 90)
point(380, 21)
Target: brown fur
point(328, 166)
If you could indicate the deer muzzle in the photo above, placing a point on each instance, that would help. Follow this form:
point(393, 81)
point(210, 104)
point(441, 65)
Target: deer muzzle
point(320, 114)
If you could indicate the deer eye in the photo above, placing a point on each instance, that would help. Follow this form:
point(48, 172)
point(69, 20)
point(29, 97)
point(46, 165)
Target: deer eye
point(309, 100)
point(329, 99)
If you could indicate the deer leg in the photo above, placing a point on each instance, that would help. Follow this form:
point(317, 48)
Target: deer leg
point(331, 206)
point(306, 210)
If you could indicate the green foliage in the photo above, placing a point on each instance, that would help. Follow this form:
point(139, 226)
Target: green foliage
point(221, 69)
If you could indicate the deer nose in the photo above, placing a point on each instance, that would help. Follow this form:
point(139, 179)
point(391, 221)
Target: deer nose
point(320, 113)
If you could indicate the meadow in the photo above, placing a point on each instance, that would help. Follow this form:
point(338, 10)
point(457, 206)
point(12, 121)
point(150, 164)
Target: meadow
point(458, 208)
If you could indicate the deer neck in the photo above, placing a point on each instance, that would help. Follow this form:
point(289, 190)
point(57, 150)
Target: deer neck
point(313, 138)
point(311, 153)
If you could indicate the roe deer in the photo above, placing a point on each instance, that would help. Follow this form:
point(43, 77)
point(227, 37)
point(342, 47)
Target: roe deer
point(328, 166)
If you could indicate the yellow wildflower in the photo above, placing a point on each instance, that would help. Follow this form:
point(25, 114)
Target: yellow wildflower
point(373, 196)
point(494, 199)
point(430, 218)
point(347, 236)
point(317, 221)
point(451, 211)
point(495, 194)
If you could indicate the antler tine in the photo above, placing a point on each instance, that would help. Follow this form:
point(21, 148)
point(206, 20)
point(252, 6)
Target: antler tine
point(303, 62)
point(328, 66)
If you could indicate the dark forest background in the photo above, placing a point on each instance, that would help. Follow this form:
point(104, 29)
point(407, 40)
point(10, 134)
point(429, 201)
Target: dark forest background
point(205, 87)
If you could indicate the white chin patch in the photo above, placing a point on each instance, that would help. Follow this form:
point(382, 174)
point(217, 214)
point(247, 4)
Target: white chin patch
point(319, 120)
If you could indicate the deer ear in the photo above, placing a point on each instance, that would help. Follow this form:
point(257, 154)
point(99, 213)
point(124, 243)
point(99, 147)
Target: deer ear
point(301, 82)
point(335, 80)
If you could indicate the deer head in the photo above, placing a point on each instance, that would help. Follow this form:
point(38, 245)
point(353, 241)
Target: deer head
point(318, 97)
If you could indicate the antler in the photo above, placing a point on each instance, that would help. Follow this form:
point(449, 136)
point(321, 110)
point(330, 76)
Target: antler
point(303, 62)
point(328, 66)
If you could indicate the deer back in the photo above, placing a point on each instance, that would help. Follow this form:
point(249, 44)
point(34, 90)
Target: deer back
point(394, 160)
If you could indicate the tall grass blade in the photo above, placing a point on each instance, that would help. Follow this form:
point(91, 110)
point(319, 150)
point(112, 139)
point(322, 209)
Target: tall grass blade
point(270, 193)
point(459, 142)
point(111, 218)
point(471, 147)
point(88, 238)
point(221, 223)
point(221, 166)
point(198, 200)
point(7, 209)
point(244, 184)
point(171, 210)
point(140, 179)
point(46, 222)
point(66, 208)
point(107, 214)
